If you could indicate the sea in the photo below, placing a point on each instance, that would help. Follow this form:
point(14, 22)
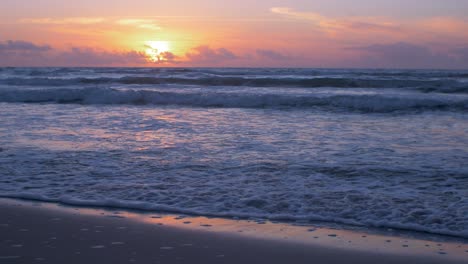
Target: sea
point(356, 147)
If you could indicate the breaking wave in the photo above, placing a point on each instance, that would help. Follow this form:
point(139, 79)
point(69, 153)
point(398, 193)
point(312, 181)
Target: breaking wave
point(359, 102)
point(442, 86)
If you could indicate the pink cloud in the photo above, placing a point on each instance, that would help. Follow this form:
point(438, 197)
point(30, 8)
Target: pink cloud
point(333, 25)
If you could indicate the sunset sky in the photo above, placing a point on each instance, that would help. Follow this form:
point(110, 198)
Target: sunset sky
point(241, 33)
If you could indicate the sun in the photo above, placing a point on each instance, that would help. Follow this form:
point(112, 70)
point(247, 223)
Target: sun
point(154, 49)
point(159, 46)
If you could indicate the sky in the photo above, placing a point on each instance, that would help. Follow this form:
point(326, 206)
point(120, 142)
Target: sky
point(241, 33)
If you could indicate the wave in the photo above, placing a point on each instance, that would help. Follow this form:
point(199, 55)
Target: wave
point(442, 86)
point(359, 102)
point(147, 206)
point(310, 72)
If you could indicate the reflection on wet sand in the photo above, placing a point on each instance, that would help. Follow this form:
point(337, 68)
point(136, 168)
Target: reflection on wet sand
point(391, 241)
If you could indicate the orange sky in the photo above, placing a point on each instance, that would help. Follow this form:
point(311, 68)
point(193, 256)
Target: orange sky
point(293, 34)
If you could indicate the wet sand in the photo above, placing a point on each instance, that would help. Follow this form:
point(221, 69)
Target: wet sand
point(40, 233)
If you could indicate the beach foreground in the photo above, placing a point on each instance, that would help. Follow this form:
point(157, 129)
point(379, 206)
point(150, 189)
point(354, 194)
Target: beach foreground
point(41, 233)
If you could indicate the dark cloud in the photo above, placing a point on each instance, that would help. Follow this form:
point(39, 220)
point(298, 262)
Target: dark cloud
point(400, 51)
point(205, 54)
point(92, 57)
point(462, 54)
point(271, 54)
point(403, 55)
point(166, 57)
point(23, 53)
point(393, 55)
point(22, 46)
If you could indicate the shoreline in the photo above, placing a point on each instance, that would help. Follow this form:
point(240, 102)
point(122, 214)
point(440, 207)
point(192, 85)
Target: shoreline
point(382, 230)
point(35, 232)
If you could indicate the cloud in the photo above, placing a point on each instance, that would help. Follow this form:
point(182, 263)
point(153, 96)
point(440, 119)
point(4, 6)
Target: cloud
point(331, 25)
point(380, 55)
point(62, 21)
point(165, 57)
point(397, 50)
point(271, 54)
point(405, 55)
point(22, 46)
point(23, 53)
point(91, 57)
point(462, 54)
point(445, 25)
point(289, 12)
point(139, 23)
point(205, 54)
point(355, 29)
point(168, 57)
point(362, 25)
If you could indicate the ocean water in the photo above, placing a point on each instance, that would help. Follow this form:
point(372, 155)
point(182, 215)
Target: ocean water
point(376, 148)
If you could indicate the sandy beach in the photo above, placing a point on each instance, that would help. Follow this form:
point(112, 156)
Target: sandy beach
point(33, 232)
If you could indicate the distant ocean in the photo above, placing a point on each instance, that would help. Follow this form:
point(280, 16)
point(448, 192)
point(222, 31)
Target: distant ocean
point(374, 148)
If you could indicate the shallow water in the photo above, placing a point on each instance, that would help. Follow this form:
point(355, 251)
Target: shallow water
point(370, 148)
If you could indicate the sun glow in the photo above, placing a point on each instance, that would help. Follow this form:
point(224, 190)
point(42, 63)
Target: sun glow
point(155, 50)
